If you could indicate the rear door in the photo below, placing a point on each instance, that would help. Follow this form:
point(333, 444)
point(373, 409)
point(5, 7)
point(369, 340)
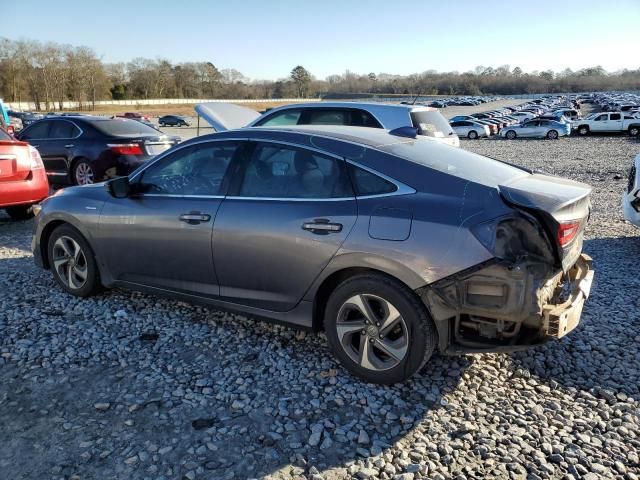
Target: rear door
point(161, 235)
point(288, 211)
point(615, 122)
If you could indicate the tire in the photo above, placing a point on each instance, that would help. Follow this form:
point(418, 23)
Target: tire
point(411, 337)
point(472, 135)
point(583, 130)
point(634, 130)
point(511, 134)
point(72, 262)
point(163, 125)
point(82, 173)
point(20, 212)
point(552, 135)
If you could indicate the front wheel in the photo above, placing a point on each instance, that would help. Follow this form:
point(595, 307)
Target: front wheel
point(511, 135)
point(72, 262)
point(20, 212)
point(552, 135)
point(583, 130)
point(378, 329)
point(472, 135)
point(634, 130)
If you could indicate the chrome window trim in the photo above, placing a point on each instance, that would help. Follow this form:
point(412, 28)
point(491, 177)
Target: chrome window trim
point(178, 147)
point(402, 189)
point(173, 195)
point(292, 199)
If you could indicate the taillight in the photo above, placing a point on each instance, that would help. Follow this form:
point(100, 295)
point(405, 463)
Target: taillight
point(36, 160)
point(567, 231)
point(10, 130)
point(125, 148)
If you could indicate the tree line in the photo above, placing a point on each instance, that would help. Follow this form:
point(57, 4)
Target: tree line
point(49, 74)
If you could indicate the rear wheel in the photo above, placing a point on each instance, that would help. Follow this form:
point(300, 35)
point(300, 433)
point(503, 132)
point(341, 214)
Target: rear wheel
point(83, 173)
point(634, 130)
point(552, 135)
point(20, 212)
point(378, 329)
point(511, 134)
point(72, 262)
point(472, 134)
point(583, 130)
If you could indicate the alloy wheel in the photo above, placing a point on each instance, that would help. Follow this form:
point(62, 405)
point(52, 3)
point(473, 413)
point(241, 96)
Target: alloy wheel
point(84, 174)
point(372, 332)
point(69, 262)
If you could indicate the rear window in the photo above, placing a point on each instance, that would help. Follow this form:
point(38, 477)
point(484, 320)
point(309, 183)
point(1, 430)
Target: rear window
point(455, 161)
point(431, 123)
point(123, 128)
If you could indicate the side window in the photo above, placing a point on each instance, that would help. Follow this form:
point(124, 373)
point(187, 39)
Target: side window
point(288, 117)
point(456, 124)
point(615, 116)
point(367, 183)
point(38, 130)
point(601, 118)
point(63, 129)
point(360, 118)
point(279, 171)
point(195, 170)
point(328, 117)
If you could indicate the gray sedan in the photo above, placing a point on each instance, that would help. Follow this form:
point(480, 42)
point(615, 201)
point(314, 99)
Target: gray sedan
point(394, 245)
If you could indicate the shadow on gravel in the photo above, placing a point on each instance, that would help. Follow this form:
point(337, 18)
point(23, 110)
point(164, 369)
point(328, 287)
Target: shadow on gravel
point(603, 353)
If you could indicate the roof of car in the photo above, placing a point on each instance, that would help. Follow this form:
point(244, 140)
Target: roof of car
point(371, 137)
point(325, 104)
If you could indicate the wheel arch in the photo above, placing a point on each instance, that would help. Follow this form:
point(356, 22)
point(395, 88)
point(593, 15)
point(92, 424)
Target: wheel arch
point(47, 231)
point(328, 283)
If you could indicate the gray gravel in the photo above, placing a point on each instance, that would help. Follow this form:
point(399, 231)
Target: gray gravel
point(126, 385)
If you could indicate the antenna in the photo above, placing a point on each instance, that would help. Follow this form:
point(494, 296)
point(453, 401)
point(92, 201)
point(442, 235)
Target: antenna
point(416, 97)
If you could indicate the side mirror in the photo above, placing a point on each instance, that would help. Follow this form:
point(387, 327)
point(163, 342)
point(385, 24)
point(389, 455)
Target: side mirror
point(119, 187)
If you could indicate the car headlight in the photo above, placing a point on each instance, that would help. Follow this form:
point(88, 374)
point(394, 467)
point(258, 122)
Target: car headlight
point(37, 208)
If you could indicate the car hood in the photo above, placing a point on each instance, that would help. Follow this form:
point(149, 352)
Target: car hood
point(226, 116)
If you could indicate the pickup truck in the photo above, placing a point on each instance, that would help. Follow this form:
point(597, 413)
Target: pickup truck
point(608, 122)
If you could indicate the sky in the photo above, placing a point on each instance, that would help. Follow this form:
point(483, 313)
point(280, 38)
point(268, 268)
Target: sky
point(266, 39)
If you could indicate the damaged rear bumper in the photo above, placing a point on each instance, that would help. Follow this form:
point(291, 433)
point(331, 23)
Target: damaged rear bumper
point(500, 307)
point(560, 319)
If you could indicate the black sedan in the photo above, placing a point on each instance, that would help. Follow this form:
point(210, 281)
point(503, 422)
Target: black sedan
point(85, 149)
point(173, 121)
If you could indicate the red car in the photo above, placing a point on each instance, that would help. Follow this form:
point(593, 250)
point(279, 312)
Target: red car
point(136, 116)
point(23, 180)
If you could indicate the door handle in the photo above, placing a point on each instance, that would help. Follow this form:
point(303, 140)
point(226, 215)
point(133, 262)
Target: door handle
point(322, 226)
point(70, 145)
point(194, 218)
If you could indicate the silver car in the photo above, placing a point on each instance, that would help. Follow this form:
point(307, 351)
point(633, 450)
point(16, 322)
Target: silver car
point(394, 245)
point(470, 129)
point(537, 128)
point(428, 121)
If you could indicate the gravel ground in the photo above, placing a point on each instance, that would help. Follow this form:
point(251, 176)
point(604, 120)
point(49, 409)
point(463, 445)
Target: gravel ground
point(126, 385)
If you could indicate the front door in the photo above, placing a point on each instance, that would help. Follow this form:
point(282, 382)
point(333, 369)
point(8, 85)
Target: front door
point(288, 212)
point(161, 235)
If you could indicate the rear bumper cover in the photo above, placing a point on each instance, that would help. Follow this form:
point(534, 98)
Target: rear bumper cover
point(560, 319)
point(25, 192)
point(499, 307)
